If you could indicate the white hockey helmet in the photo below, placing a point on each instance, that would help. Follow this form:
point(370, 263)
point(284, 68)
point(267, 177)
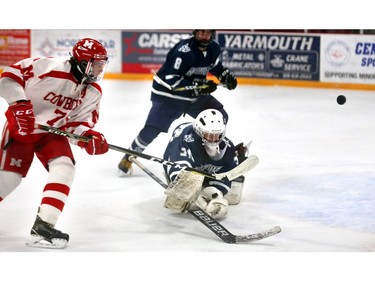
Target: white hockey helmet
point(210, 126)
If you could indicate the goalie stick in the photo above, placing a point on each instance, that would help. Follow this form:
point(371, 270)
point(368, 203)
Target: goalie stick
point(241, 169)
point(212, 224)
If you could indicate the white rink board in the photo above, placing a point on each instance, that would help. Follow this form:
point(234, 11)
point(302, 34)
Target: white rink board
point(59, 43)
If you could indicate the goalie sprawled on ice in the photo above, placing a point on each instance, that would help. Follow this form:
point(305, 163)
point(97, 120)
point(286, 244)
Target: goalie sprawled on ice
point(204, 146)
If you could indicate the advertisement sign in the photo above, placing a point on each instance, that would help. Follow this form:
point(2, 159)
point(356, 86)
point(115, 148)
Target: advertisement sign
point(271, 56)
point(348, 59)
point(145, 51)
point(59, 43)
point(14, 45)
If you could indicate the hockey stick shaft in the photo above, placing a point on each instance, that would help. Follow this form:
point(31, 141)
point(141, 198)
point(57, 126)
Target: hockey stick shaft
point(193, 87)
point(179, 89)
point(117, 148)
point(248, 164)
point(148, 172)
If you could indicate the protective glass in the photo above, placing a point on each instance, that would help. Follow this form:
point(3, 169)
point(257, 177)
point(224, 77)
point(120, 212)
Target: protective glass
point(95, 69)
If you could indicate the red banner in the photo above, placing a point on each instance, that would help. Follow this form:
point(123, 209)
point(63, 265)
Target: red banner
point(145, 51)
point(15, 45)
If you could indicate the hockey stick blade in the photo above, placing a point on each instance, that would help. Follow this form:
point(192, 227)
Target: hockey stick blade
point(227, 236)
point(218, 229)
point(239, 170)
point(245, 166)
point(257, 236)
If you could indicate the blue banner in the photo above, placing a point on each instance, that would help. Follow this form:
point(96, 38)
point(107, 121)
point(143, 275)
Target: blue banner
point(271, 56)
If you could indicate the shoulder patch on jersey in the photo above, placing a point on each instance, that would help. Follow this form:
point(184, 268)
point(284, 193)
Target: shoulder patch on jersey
point(184, 48)
point(189, 138)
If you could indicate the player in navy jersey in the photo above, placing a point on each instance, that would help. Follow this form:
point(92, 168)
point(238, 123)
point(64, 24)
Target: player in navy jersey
point(187, 64)
point(204, 146)
point(52, 92)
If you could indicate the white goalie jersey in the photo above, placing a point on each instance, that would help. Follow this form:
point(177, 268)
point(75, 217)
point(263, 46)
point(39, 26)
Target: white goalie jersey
point(58, 99)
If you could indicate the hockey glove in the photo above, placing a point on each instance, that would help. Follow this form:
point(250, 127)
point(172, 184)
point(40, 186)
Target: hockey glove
point(96, 145)
point(228, 78)
point(241, 151)
point(204, 87)
point(21, 120)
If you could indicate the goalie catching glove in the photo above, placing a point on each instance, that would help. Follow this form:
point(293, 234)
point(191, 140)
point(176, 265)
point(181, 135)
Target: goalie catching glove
point(96, 145)
point(241, 152)
point(228, 78)
point(21, 120)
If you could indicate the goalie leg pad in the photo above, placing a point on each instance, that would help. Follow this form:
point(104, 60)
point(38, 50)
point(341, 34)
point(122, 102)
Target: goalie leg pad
point(183, 191)
point(234, 195)
point(176, 204)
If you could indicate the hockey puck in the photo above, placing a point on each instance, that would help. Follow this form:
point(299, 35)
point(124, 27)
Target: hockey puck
point(341, 99)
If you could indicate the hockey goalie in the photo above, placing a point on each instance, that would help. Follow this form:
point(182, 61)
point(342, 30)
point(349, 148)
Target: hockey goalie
point(203, 145)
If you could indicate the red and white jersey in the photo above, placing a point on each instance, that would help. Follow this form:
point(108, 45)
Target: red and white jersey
point(57, 98)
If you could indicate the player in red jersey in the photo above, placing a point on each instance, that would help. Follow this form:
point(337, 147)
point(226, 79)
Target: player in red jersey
point(62, 94)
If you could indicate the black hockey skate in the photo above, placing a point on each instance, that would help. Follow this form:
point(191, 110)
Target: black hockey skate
point(44, 235)
point(125, 166)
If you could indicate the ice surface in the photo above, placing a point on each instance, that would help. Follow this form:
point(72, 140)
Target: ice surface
point(315, 179)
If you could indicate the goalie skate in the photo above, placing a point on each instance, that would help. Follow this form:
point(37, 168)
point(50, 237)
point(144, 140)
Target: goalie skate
point(44, 235)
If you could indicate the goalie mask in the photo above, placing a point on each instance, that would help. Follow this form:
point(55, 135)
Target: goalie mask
point(91, 59)
point(210, 126)
point(203, 37)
